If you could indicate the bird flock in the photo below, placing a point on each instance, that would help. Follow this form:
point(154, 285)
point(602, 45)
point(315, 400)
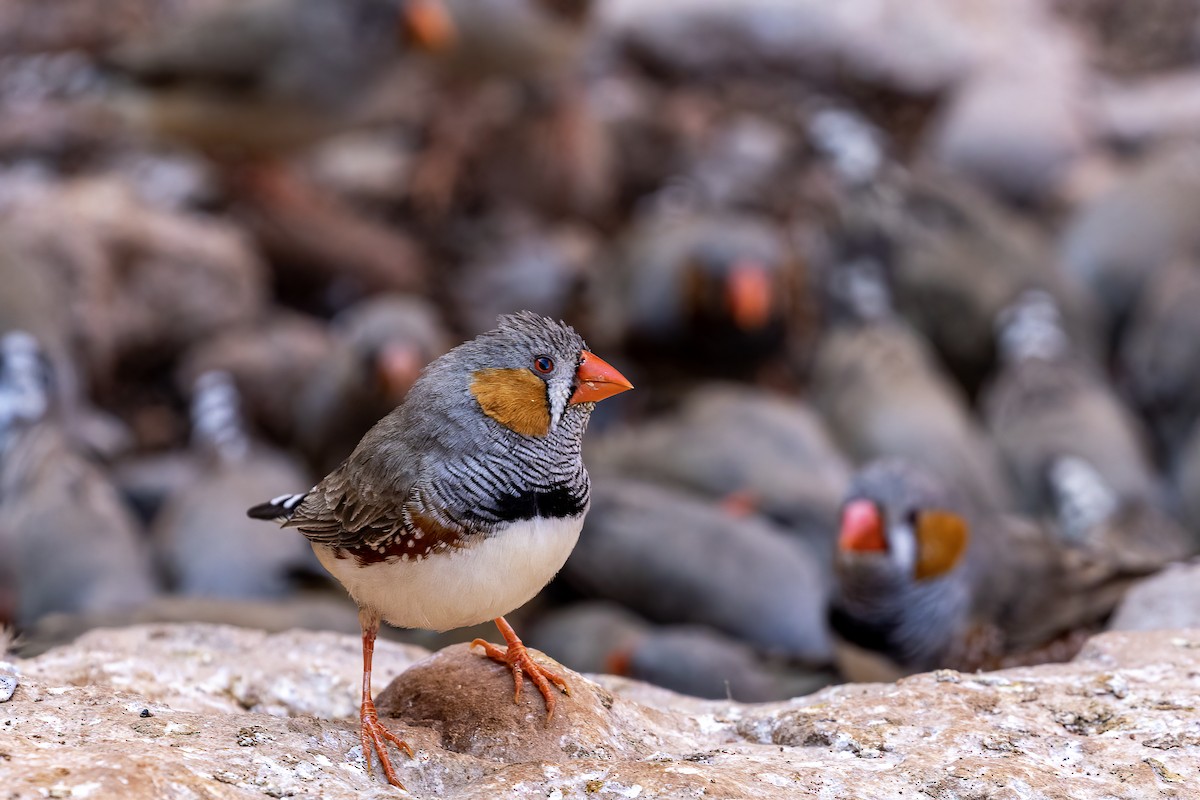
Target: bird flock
point(910, 309)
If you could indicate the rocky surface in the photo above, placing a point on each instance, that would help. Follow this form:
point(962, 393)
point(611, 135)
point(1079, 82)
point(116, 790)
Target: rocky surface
point(163, 711)
point(1169, 599)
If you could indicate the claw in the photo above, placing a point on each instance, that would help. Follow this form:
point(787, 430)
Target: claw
point(375, 736)
point(516, 657)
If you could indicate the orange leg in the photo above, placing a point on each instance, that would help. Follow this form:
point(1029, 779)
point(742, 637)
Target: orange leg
point(374, 734)
point(521, 663)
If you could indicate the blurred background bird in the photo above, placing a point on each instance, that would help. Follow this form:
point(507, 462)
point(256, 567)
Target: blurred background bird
point(207, 545)
point(268, 76)
point(909, 308)
point(883, 392)
point(1046, 402)
point(716, 294)
point(73, 544)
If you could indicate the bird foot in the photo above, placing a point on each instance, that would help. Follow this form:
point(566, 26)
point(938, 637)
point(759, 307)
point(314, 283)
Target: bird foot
point(517, 658)
point(376, 736)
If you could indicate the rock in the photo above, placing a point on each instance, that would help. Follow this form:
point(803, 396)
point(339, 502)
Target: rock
point(234, 713)
point(467, 701)
point(1169, 599)
point(8, 686)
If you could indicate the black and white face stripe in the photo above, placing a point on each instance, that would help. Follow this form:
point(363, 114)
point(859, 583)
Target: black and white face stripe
point(558, 393)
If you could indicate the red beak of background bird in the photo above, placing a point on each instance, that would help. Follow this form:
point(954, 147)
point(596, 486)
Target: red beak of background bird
point(862, 528)
point(597, 380)
point(749, 293)
point(427, 24)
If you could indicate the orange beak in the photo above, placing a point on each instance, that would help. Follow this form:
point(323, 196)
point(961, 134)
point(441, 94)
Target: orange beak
point(862, 528)
point(427, 24)
point(749, 293)
point(597, 380)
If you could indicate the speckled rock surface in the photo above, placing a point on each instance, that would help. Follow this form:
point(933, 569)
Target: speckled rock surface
point(190, 711)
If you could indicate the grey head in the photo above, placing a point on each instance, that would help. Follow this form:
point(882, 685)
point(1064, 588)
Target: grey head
point(901, 492)
point(511, 404)
point(524, 346)
point(900, 551)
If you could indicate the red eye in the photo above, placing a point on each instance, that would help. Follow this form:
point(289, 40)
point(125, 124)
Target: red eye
point(543, 364)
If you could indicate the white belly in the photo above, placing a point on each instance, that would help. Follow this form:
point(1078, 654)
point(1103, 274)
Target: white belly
point(456, 588)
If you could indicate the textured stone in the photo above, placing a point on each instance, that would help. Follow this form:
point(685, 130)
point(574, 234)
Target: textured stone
point(217, 712)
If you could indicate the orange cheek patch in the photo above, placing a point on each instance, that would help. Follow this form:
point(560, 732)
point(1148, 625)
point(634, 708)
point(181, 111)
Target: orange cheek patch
point(942, 539)
point(516, 398)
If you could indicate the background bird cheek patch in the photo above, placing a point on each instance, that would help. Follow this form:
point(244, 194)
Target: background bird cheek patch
point(516, 398)
point(942, 539)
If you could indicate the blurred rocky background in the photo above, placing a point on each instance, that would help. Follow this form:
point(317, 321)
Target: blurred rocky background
point(908, 291)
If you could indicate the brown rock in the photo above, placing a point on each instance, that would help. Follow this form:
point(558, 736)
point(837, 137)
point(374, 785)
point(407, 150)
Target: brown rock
point(467, 700)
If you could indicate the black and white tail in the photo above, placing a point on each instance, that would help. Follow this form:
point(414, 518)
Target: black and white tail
point(279, 509)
